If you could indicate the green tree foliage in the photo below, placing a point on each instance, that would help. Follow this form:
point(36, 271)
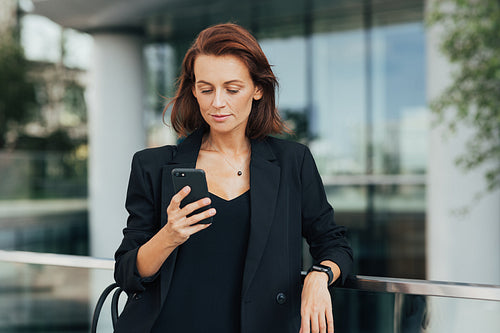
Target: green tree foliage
point(17, 94)
point(471, 41)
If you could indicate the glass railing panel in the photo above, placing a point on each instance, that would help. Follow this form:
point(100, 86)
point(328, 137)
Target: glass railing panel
point(358, 311)
point(362, 312)
point(462, 315)
point(45, 225)
point(46, 298)
point(38, 296)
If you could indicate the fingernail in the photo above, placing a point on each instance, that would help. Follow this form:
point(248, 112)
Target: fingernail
point(212, 211)
point(186, 189)
point(206, 201)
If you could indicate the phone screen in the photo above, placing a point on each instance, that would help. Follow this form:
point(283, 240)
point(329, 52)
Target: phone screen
point(196, 180)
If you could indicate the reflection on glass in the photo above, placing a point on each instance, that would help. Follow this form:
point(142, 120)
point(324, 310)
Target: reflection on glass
point(43, 137)
point(399, 101)
point(290, 70)
point(390, 241)
point(339, 102)
point(463, 316)
point(373, 312)
point(40, 298)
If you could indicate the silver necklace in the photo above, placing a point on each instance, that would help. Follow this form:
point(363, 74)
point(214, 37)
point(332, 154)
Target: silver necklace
point(239, 170)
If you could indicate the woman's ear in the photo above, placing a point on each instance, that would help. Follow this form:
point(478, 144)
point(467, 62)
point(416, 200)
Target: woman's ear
point(258, 93)
point(193, 90)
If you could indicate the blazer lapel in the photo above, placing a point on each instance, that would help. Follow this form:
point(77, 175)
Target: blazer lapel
point(186, 156)
point(264, 185)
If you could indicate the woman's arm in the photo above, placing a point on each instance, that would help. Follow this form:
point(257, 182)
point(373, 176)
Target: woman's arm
point(316, 304)
point(176, 231)
point(145, 246)
point(328, 246)
point(326, 239)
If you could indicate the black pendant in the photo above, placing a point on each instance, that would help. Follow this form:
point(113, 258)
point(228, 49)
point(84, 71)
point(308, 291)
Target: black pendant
point(240, 173)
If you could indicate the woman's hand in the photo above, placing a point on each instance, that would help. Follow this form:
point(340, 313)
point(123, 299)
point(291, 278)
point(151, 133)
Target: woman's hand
point(180, 227)
point(316, 305)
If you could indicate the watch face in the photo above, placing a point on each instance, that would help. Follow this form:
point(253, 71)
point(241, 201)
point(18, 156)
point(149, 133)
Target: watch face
point(324, 269)
point(321, 269)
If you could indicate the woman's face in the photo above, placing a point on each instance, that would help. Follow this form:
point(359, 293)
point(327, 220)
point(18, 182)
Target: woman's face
point(224, 91)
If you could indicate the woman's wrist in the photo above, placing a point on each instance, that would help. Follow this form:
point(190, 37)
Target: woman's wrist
point(153, 253)
point(324, 270)
point(318, 276)
point(335, 269)
point(165, 240)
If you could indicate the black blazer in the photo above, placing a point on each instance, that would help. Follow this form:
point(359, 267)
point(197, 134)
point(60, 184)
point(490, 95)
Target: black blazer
point(288, 201)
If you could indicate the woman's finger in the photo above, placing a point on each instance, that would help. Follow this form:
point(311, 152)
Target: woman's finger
point(175, 202)
point(321, 323)
point(192, 220)
point(193, 206)
point(198, 227)
point(305, 325)
point(329, 321)
point(314, 323)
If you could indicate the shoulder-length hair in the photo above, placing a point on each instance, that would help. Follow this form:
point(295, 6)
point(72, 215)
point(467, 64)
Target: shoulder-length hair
point(220, 40)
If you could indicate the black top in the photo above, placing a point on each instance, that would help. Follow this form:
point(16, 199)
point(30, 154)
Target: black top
point(206, 285)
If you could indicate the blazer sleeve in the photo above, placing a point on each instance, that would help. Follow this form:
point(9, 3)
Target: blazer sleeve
point(142, 224)
point(327, 241)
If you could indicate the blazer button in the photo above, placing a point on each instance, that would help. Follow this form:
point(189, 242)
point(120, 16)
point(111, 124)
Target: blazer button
point(136, 296)
point(281, 298)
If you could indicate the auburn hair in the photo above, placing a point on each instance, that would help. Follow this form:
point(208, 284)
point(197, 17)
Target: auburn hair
point(221, 40)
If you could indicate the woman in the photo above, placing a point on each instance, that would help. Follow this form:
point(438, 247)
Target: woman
point(242, 272)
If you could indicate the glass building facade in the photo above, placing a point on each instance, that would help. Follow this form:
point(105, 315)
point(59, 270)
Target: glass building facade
point(352, 78)
point(43, 155)
point(352, 86)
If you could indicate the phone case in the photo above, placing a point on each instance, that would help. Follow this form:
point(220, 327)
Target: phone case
point(196, 180)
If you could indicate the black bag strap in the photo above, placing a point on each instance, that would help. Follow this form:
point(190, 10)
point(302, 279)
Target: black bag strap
point(100, 303)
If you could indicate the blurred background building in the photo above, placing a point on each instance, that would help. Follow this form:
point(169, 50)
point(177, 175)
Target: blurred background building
point(43, 133)
point(87, 82)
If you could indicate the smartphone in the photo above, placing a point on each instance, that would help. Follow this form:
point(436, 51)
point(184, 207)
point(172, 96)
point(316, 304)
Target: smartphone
point(197, 181)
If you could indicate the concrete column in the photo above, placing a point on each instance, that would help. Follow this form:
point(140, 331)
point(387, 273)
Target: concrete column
point(116, 131)
point(461, 247)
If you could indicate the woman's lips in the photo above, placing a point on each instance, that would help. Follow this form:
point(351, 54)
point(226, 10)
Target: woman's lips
point(220, 117)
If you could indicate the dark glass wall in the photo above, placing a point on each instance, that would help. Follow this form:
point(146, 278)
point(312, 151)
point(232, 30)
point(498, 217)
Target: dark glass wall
point(352, 84)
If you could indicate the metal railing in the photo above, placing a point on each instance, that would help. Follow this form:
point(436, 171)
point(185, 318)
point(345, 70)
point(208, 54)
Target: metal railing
point(425, 288)
point(56, 259)
point(360, 282)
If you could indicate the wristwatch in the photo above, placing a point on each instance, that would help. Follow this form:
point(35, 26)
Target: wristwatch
point(324, 269)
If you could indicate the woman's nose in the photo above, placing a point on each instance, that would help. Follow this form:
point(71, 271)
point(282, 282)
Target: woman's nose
point(218, 101)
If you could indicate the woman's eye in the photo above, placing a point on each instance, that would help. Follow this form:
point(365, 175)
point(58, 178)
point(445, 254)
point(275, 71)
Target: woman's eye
point(233, 91)
point(206, 91)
